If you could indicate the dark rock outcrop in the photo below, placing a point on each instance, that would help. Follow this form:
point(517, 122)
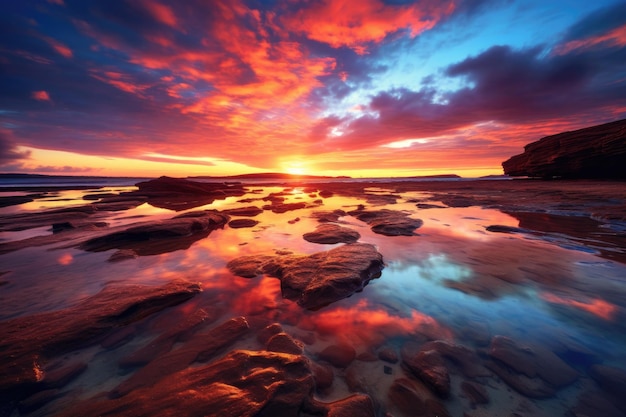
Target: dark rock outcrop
point(160, 236)
point(319, 279)
point(593, 152)
point(331, 233)
point(182, 194)
point(28, 342)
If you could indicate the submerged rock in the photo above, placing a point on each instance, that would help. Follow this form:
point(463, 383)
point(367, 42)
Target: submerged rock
point(388, 222)
point(28, 342)
point(593, 152)
point(242, 223)
point(331, 234)
point(319, 279)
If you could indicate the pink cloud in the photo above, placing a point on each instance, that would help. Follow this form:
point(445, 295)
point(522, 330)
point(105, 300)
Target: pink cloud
point(41, 95)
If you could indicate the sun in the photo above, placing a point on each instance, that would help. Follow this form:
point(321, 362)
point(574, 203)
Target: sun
point(295, 170)
point(295, 167)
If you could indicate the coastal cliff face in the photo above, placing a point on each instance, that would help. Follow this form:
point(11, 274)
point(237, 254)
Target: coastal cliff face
point(594, 152)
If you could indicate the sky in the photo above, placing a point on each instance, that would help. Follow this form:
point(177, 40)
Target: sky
point(365, 88)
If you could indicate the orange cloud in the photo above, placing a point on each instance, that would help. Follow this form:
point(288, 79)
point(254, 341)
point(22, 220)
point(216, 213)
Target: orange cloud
point(41, 95)
point(161, 13)
point(354, 23)
point(616, 37)
point(59, 47)
point(374, 325)
point(595, 306)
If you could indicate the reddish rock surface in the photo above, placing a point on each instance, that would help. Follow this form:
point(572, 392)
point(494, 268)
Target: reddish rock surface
point(158, 237)
point(319, 279)
point(429, 366)
point(593, 152)
point(339, 356)
point(388, 222)
point(241, 223)
point(28, 342)
point(331, 233)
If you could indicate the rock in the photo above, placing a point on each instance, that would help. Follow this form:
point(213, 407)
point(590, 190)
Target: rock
point(412, 399)
point(316, 280)
point(388, 354)
point(279, 207)
point(355, 405)
point(182, 194)
point(284, 343)
point(123, 255)
point(153, 238)
point(243, 383)
point(250, 211)
point(465, 359)
point(241, 223)
point(530, 387)
point(326, 193)
point(594, 152)
point(14, 200)
point(331, 233)
point(265, 334)
point(200, 348)
point(475, 393)
point(340, 356)
point(595, 404)
point(328, 216)
point(611, 380)
point(62, 226)
point(388, 222)
point(430, 367)
point(532, 361)
point(28, 342)
point(323, 375)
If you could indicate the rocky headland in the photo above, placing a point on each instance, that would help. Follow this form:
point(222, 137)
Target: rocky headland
point(597, 152)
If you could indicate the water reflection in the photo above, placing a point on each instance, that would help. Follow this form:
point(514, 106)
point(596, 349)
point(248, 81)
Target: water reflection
point(454, 281)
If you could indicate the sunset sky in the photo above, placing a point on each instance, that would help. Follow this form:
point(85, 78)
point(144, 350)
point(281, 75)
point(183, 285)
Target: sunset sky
point(346, 87)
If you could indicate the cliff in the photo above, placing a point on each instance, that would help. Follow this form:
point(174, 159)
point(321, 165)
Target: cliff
point(593, 153)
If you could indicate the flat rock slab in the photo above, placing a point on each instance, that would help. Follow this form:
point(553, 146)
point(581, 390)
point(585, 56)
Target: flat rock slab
point(388, 222)
point(27, 342)
point(153, 238)
point(535, 362)
point(319, 279)
point(331, 233)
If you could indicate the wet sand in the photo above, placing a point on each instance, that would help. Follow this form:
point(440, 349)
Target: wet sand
point(481, 297)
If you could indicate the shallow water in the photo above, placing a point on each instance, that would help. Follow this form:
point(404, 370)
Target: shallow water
point(453, 281)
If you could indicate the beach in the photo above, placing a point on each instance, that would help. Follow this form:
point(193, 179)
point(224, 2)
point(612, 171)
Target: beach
point(369, 297)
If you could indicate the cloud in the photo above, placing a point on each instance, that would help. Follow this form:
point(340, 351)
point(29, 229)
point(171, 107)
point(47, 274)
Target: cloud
point(357, 23)
point(41, 95)
point(8, 149)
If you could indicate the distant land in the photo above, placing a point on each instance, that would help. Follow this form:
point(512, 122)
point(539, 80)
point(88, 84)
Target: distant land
point(265, 175)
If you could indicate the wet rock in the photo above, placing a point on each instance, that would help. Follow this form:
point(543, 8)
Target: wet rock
point(430, 367)
point(409, 398)
point(340, 356)
point(319, 279)
point(14, 200)
point(388, 222)
point(265, 334)
point(367, 356)
point(250, 211)
point(279, 207)
point(201, 348)
point(331, 234)
point(388, 354)
point(594, 152)
point(38, 400)
point(328, 216)
point(243, 383)
point(475, 393)
point(164, 343)
point(61, 227)
point(284, 343)
point(326, 193)
point(241, 223)
point(182, 194)
point(59, 374)
point(425, 206)
point(294, 221)
point(611, 380)
point(595, 404)
point(532, 361)
point(496, 228)
point(530, 387)
point(28, 342)
point(356, 405)
point(77, 216)
point(158, 237)
point(464, 358)
point(323, 375)
point(123, 255)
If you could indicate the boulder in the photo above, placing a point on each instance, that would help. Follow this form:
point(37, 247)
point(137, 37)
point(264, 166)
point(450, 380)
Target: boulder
point(241, 223)
point(327, 233)
point(319, 279)
point(594, 152)
point(339, 356)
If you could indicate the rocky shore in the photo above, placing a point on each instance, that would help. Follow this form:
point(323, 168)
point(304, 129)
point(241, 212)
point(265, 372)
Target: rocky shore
point(200, 359)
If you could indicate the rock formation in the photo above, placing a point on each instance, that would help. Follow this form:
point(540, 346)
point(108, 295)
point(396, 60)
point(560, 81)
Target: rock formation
point(594, 152)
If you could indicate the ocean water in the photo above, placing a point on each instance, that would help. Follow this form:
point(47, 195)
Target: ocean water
point(453, 281)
